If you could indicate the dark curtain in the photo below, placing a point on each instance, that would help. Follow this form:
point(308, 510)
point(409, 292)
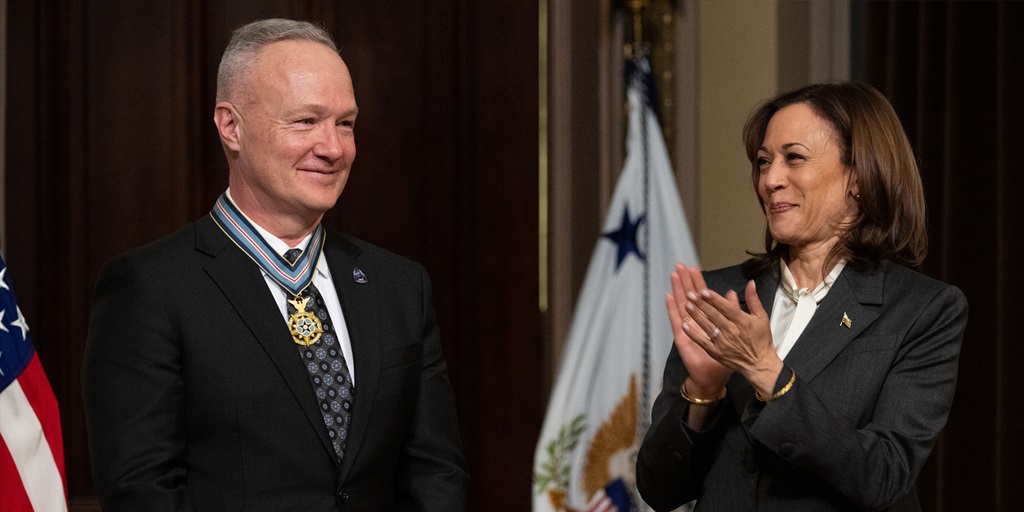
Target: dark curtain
point(955, 74)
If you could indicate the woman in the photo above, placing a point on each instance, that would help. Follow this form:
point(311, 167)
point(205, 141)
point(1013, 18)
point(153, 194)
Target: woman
point(815, 376)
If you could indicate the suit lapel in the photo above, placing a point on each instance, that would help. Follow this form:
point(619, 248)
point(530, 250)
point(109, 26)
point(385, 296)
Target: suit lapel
point(242, 283)
point(855, 295)
point(360, 305)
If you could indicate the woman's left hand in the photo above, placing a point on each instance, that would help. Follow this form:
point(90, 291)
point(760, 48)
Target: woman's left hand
point(738, 340)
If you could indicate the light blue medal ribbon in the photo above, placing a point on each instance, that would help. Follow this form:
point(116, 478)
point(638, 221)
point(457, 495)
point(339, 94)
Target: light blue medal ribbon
point(295, 277)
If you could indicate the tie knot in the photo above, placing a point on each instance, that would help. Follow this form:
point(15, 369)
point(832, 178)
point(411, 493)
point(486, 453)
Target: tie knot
point(292, 254)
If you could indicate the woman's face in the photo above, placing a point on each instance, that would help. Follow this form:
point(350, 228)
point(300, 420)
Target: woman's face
point(807, 194)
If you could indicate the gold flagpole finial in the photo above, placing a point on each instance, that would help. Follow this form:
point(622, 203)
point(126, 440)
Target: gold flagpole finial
point(637, 7)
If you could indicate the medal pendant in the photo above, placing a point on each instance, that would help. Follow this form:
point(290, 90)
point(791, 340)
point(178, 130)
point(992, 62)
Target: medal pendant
point(304, 326)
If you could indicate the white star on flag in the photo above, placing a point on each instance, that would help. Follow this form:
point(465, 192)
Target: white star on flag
point(21, 324)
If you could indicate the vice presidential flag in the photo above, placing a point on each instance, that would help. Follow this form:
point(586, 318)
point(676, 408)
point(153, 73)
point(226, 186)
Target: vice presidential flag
point(611, 369)
point(31, 449)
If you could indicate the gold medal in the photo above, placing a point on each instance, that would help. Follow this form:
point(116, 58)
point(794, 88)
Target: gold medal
point(304, 325)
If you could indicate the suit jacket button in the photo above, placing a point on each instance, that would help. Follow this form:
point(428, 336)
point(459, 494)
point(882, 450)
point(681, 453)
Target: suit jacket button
point(786, 449)
point(343, 496)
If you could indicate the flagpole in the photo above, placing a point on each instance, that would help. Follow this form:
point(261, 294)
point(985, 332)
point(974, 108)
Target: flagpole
point(643, 418)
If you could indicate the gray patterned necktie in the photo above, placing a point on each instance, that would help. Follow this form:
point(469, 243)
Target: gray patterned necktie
point(325, 365)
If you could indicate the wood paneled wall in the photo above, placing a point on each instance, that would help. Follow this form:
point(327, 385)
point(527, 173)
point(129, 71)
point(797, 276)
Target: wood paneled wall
point(110, 144)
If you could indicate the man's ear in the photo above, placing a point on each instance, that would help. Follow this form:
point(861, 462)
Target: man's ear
point(226, 118)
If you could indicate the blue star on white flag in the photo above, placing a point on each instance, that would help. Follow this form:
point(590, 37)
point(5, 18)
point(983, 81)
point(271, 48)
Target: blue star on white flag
point(625, 237)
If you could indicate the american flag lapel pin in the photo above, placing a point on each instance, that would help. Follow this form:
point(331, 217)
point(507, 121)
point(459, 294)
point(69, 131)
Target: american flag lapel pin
point(846, 322)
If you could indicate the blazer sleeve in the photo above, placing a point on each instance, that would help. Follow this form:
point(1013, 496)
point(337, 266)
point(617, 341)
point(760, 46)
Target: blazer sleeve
point(133, 391)
point(877, 463)
point(674, 459)
point(432, 474)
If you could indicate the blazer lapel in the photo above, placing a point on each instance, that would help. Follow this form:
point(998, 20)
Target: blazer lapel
point(855, 296)
point(361, 306)
point(245, 288)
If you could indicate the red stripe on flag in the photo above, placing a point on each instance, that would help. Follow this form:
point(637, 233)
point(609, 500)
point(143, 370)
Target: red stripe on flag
point(40, 396)
point(601, 503)
point(12, 492)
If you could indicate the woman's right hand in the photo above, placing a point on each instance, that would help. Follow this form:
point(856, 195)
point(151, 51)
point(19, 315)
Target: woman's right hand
point(707, 377)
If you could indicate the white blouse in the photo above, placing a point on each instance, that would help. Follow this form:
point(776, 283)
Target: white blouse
point(793, 308)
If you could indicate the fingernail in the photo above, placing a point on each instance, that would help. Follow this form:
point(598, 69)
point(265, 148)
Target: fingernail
point(705, 293)
point(691, 295)
point(689, 306)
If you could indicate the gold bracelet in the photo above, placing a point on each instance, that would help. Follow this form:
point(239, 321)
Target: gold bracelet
point(699, 401)
point(785, 389)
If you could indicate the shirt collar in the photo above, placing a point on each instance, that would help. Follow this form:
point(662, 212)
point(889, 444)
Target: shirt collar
point(788, 284)
point(281, 247)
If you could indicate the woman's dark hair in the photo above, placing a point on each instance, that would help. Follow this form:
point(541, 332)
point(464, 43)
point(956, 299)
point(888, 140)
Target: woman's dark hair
point(890, 220)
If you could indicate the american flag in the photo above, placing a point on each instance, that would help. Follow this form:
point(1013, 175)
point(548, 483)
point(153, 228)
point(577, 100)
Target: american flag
point(31, 448)
point(601, 503)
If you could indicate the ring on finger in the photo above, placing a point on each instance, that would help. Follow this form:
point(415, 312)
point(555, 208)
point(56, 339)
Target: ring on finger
point(714, 334)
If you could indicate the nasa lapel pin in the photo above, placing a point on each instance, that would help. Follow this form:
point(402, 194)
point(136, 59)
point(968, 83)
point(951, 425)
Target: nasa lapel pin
point(358, 276)
point(846, 322)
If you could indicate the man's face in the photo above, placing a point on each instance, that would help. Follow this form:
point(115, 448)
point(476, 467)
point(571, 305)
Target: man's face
point(295, 111)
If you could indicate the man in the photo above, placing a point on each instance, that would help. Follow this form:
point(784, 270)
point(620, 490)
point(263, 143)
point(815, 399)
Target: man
point(223, 372)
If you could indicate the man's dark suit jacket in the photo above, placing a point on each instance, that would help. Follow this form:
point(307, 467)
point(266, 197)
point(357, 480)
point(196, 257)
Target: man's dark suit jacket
point(197, 400)
point(854, 430)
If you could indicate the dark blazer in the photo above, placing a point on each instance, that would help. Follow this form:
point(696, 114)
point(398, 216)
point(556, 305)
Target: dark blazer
point(854, 430)
point(196, 397)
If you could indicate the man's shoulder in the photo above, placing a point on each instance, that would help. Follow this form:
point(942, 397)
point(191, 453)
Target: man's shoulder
point(375, 262)
point(171, 250)
point(364, 251)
